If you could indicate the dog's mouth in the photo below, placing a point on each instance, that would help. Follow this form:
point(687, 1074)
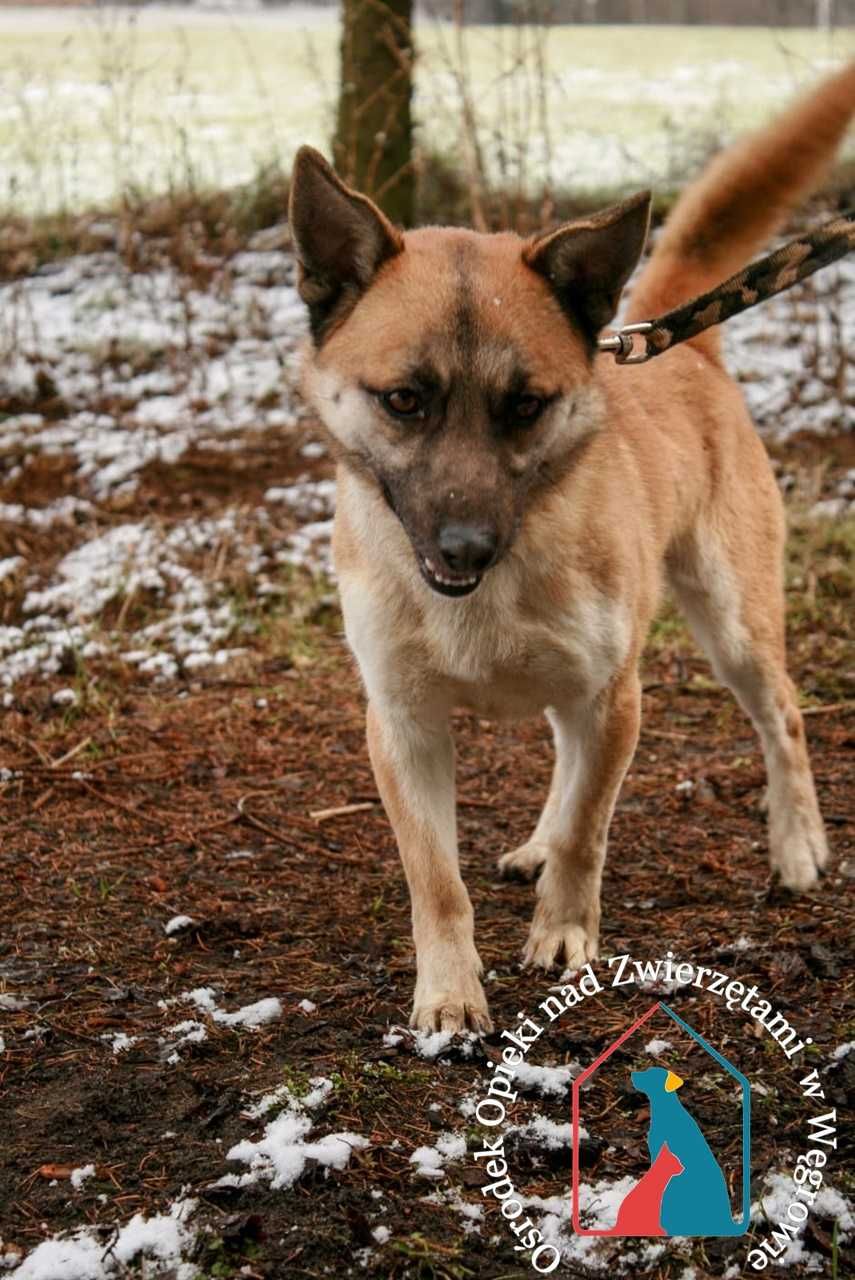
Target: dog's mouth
point(447, 584)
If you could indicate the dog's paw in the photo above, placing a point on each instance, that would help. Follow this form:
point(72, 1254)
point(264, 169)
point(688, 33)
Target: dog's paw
point(799, 856)
point(449, 995)
point(552, 941)
point(450, 1012)
point(523, 863)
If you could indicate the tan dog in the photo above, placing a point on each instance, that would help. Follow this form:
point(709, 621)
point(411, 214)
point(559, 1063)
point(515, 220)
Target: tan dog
point(510, 503)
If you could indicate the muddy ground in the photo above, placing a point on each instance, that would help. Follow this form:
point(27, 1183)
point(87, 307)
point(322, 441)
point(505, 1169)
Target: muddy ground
point(135, 800)
point(123, 813)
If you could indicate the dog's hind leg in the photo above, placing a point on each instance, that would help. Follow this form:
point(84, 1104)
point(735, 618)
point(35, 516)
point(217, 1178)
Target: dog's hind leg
point(728, 580)
point(413, 765)
point(594, 746)
point(525, 862)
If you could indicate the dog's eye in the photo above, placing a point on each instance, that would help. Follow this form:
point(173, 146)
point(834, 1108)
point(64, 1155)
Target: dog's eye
point(402, 402)
point(526, 408)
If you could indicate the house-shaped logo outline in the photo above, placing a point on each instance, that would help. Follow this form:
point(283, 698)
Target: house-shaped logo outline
point(740, 1226)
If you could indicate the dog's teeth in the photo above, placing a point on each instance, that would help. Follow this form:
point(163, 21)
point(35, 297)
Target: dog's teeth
point(448, 582)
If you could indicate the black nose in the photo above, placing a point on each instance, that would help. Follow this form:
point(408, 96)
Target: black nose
point(467, 548)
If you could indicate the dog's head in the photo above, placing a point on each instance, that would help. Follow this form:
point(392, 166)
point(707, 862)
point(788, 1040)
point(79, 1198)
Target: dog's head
point(455, 369)
point(656, 1081)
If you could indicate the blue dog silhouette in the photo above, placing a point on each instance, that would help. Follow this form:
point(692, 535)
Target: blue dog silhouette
point(696, 1201)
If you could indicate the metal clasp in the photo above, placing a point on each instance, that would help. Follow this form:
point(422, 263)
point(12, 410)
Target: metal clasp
point(622, 343)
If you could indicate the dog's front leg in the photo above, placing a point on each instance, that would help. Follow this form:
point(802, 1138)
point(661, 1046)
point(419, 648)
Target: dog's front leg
point(414, 767)
point(594, 745)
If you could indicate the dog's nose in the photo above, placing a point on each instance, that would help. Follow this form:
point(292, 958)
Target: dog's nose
point(467, 548)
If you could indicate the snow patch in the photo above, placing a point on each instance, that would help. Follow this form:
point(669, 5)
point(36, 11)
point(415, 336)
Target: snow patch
point(284, 1149)
point(81, 1175)
point(251, 1015)
point(430, 1161)
point(777, 1194)
point(177, 923)
point(162, 1241)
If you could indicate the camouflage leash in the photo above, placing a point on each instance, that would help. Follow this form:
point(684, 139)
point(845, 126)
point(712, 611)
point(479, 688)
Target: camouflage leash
point(761, 280)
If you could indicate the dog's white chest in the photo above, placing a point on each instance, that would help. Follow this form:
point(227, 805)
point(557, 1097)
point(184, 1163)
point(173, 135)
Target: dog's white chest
point(504, 651)
point(508, 662)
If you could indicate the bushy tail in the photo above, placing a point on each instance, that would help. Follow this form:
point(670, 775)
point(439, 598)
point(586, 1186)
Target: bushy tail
point(741, 200)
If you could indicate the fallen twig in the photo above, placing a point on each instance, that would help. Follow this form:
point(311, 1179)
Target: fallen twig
point(321, 815)
point(288, 841)
point(69, 755)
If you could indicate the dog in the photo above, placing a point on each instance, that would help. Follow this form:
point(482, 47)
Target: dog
point(510, 505)
point(696, 1202)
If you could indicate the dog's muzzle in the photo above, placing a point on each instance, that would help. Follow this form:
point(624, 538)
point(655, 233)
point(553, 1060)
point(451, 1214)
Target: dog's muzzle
point(465, 553)
point(444, 584)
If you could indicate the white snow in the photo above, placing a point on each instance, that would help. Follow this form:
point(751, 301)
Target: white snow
point(318, 1093)
point(306, 500)
point(430, 1161)
point(308, 1006)
point(163, 1241)
point(552, 1135)
point(431, 1044)
point(656, 1047)
point(548, 1081)
point(81, 1175)
point(13, 1004)
point(177, 923)
point(598, 1207)
point(11, 564)
point(664, 986)
point(251, 1015)
point(142, 344)
point(284, 1149)
point(120, 1041)
point(188, 1032)
point(778, 1192)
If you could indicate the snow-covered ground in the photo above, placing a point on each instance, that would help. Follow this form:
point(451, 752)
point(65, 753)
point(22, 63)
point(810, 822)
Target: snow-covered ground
point(93, 101)
point(163, 1244)
point(287, 1134)
point(143, 367)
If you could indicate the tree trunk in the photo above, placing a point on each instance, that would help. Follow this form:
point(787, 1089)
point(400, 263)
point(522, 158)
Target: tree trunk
point(372, 150)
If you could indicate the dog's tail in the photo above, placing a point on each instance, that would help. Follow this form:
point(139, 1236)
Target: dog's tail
point(741, 200)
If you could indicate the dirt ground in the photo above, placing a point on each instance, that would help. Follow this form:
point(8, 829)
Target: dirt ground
point(194, 797)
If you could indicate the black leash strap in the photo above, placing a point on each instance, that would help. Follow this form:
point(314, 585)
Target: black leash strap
point(761, 280)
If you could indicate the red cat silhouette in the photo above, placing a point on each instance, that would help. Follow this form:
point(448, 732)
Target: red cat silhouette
point(641, 1206)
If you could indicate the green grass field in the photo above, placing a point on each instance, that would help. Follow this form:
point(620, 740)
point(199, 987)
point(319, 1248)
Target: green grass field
point(91, 102)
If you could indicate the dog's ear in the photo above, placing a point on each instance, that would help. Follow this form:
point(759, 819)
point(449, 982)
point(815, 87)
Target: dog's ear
point(589, 261)
point(341, 238)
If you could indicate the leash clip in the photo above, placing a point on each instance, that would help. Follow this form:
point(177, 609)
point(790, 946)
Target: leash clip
point(623, 345)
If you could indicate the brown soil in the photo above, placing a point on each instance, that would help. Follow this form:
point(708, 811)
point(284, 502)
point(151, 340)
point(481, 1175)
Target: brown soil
point(121, 815)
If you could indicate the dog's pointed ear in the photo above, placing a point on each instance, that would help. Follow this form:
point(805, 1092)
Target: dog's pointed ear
point(589, 261)
point(341, 238)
